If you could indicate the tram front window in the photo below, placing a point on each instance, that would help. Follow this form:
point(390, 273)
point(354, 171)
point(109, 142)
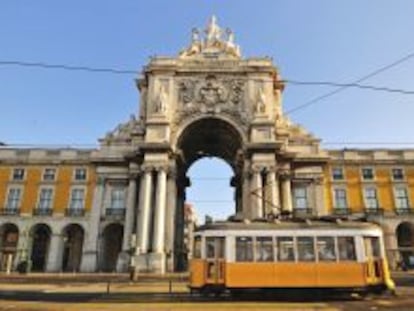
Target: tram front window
point(210, 247)
point(197, 247)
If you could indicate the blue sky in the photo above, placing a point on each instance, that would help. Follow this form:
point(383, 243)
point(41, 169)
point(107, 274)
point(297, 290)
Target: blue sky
point(337, 41)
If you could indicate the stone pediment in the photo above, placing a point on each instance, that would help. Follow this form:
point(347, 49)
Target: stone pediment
point(124, 132)
point(216, 43)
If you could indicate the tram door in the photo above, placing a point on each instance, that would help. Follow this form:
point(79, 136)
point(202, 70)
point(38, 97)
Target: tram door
point(373, 258)
point(215, 258)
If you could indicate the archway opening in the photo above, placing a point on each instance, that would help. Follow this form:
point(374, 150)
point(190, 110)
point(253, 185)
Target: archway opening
point(405, 238)
point(112, 244)
point(210, 193)
point(9, 236)
point(72, 248)
point(40, 247)
point(206, 138)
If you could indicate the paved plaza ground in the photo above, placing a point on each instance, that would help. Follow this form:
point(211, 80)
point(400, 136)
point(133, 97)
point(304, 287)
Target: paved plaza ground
point(37, 292)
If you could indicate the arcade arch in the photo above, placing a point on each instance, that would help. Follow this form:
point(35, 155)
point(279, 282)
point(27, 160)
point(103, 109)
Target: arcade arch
point(73, 235)
point(405, 239)
point(9, 237)
point(111, 246)
point(40, 236)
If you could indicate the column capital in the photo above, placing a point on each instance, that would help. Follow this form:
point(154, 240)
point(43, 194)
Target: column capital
point(162, 168)
point(147, 168)
point(284, 174)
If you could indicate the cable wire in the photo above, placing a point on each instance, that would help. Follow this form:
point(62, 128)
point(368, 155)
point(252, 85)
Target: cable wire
point(342, 88)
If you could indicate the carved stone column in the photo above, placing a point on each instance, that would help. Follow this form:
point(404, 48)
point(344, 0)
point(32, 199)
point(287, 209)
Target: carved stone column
point(246, 196)
point(286, 192)
point(143, 221)
point(272, 187)
point(159, 219)
point(158, 256)
point(257, 194)
point(170, 214)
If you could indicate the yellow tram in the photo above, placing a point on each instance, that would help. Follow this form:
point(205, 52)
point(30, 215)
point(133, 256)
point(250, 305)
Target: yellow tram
point(235, 256)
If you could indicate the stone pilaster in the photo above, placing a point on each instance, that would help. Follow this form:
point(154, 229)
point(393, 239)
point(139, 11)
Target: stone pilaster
point(90, 248)
point(129, 215)
point(55, 254)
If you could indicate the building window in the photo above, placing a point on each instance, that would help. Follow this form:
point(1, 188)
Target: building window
point(300, 198)
point(80, 174)
point(77, 198)
point(45, 199)
point(340, 198)
point(337, 173)
point(13, 198)
point(118, 198)
point(18, 174)
point(367, 173)
point(370, 195)
point(397, 174)
point(401, 198)
point(49, 174)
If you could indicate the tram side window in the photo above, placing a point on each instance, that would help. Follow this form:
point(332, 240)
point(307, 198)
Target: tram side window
point(306, 250)
point(326, 248)
point(197, 247)
point(210, 247)
point(264, 249)
point(286, 249)
point(244, 249)
point(346, 248)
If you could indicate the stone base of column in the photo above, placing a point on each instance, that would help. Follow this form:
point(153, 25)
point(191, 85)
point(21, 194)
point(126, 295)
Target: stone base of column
point(170, 262)
point(151, 263)
point(89, 261)
point(123, 262)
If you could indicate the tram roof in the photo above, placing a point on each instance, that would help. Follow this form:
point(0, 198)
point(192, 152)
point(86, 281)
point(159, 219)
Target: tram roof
point(287, 225)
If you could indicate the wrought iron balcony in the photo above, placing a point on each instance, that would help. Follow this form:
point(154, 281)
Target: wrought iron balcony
point(42, 212)
point(342, 211)
point(75, 212)
point(115, 211)
point(404, 211)
point(374, 211)
point(302, 212)
point(9, 211)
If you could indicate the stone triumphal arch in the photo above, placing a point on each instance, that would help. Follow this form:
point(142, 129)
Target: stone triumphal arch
point(208, 101)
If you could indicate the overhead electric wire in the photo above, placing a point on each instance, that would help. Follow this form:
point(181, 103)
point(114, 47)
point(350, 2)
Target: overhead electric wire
point(342, 88)
point(67, 67)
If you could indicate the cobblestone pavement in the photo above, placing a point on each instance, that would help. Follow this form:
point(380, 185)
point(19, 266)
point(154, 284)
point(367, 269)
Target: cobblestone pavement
point(109, 292)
